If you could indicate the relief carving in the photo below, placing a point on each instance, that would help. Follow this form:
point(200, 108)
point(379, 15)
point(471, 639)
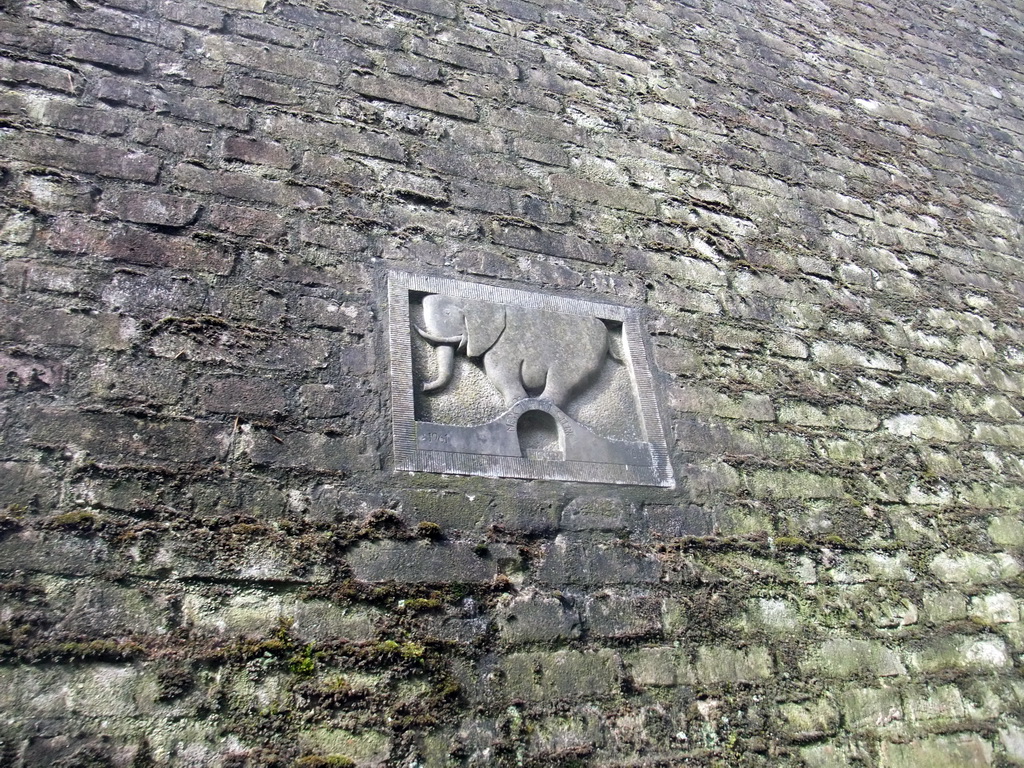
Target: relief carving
point(523, 349)
point(510, 383)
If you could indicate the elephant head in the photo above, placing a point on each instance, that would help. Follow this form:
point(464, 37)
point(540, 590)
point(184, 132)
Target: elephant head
point(451, 324)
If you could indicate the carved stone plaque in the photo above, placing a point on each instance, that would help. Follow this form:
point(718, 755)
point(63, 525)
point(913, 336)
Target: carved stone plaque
point(500, 382)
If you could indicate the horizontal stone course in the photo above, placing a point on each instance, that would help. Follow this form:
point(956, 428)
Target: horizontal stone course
point(86, 157)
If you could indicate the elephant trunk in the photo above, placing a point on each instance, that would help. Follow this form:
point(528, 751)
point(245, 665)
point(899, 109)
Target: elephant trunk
point(445, 368)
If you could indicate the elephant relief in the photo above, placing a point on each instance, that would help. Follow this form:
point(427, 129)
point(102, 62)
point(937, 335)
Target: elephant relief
point(526, 352)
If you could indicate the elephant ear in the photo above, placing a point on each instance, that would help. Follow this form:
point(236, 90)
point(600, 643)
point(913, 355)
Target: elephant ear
point(484, 324)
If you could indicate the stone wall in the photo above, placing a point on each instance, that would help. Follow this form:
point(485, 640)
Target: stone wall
point(206, 558)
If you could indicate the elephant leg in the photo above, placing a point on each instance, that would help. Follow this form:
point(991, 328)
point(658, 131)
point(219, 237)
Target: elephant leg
point(564, 382)
point(506, 377)
point(556, 392)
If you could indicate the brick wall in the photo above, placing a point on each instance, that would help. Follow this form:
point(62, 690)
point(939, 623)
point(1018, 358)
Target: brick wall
point(205, 556)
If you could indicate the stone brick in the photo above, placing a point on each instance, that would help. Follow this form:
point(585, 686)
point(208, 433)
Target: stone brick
point(414, 95)
point(537, 617)
point(809, 721)
point(549, 243)
point(205, 111)
point(487, 167)
point(542, 152)
point(246, 396)
point(25, 485)
point(477, 261)
point(603, 194)
point(994, 609)
point(596, 513)
point(258, 151)
point(245, 187)
point(736, 338)
point(85, 157)
point(795, 485)
point(309, 450)
point(17, 228)
point(137, 246)
point(970, 568)
point(841, 355)
point(95, 121)
point(559, 675)
point(101, 50)
point(616, 615)
point(348, 137)
point(247, 222)
point(843, 658)
point(668, 520)
point(1009, 435)
point(1012, 740)
point(952, 751)
point(52, 77)
point(264, 90)
point(92, 610)
point(942, 704)
point(418, 188)
point(258, 613)
point(657, 667)
point(871, 709)
point(150, 208)
point(420, 561)
point(725, 665)
point(941, 607)
point(962, 652)
point(99, 331)
point(55, 554)
point(363, 746)
point(31, 689)
point(481, 197)
point(931, 428)
point(201, 17)
point(991, 495)
point(324, 401)
point(774, 615)
point(126, 441)
point(344, 239)
point(586, 561)
point(1006, 531)
point(133, 25)
point(284, 62)
point(826, 756)
point(29, 374)
point(106, 688)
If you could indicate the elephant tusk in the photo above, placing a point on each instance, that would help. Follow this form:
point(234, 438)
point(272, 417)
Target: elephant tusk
point(445, 368)
point(440, 339)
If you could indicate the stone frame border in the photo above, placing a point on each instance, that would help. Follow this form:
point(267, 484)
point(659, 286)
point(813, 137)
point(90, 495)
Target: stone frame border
point(408, 456)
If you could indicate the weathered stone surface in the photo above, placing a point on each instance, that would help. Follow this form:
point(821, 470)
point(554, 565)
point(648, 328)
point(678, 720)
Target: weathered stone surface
point(848, 657)
point(622, 615)
point(956, 752)
point(536, 617)
point(659, 667)
point(724, 665)
point(809, 721)
point(559, 675)
point(870, 709)
point(960, 652)
point(970, 568)
point(206, 554)
point(588, 561)
point(420, 561)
